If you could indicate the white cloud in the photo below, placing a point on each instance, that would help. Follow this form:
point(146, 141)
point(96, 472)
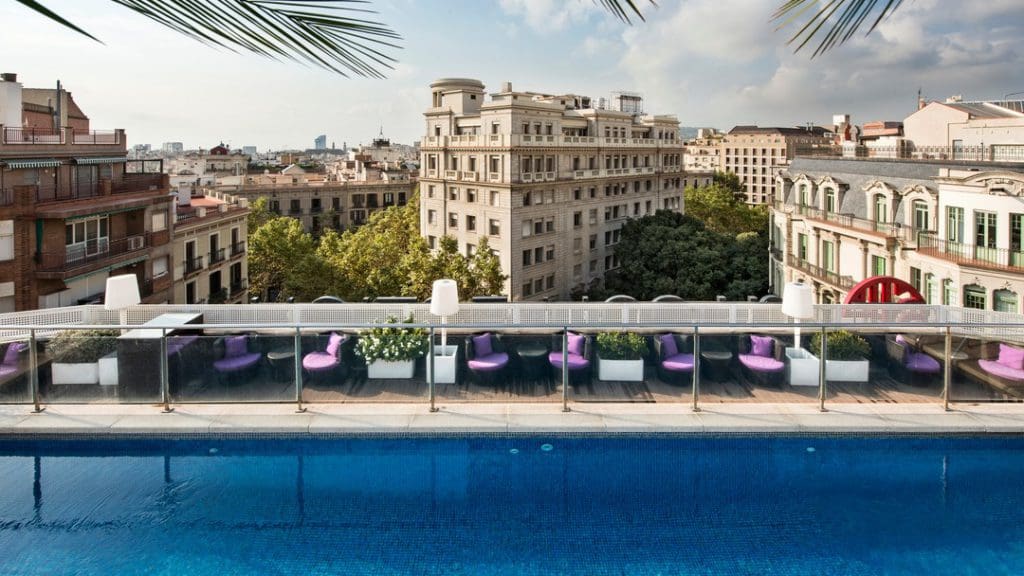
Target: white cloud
point(547, 16)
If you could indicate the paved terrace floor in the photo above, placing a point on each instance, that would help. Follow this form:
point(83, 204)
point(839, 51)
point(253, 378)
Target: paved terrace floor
point(406, 419)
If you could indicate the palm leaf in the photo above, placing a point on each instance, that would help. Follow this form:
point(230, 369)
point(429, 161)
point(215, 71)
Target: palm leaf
point(32, 4)
point(622, 9)
point(834, 21)
point(330, 34)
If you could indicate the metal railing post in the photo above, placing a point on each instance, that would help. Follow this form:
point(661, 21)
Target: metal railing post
point(165, 381)
point(565, 369)
point(947, 373)
point(696, 369)
point(33, 359)
point(822, 392)
point(431, 361)
point(298, 370)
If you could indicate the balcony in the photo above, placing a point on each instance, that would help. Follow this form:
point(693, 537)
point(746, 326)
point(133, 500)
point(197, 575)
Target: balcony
point(218, 296)
point(87, 256)
point(964, 154)
point(819, 273)
point(217, 256)
point(238, 288)
point(970, 255)
point(18, 135)
point(849, 221)
point(237, 249)
point(543, 141)
point(193, 265)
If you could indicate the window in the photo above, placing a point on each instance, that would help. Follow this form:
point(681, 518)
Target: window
point(549, 224)
point(295, 206)
point(538, 226)
point(948, 292)
point(593, 216)
point(159, 221)
point(453, 220)
point(538, 254)
point(830, 200)
point(549, 282)
point(801, 247)
point(577, 219)
point(878, 268)
point(802, 198)
point(430, 191)
point(974, 297)
point(915, 278)
point(527, 198)
point(538, 285)
point(495, 164)
point(549, 252)
point(881, 208)
point(6, 239)
point(1004, 301)
point(494, 197)
point(494, 227)
point(470, 195)
point(954, 224)
point(828, 256)
point(576, 194)
point(453, 193)
point(577, 244)
point(985, 235)
point(929, 288)
point(431, 216)
point(527, 228)
point(593, 266)
point(921, 216)
point(336, 204)
point(471, 223)
point(527, 289)
point(1016, 237)
point(527, 257)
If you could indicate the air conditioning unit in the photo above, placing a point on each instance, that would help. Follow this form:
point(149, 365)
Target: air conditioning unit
point(136, 242)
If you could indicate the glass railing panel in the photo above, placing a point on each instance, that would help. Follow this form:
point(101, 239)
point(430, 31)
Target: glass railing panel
point(987, 365)
point(766, 367)
point(232, 367)
point(99, 366)
point(636, 366)
point(880, 366)
point(516, 367)
point(15, 371)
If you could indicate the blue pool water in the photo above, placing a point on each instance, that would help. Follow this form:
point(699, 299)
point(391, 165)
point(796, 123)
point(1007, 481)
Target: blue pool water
point(514, 506)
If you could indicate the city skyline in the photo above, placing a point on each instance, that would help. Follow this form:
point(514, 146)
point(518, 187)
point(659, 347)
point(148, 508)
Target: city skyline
point(709, 63)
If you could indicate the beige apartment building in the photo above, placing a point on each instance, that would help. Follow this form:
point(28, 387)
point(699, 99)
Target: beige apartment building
point(754, 153)
point(548, 179)
point(210, 259)
point(323, 204)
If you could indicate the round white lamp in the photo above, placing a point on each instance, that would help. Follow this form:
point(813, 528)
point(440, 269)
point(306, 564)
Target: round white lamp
point(444, 302)
point(798, 304)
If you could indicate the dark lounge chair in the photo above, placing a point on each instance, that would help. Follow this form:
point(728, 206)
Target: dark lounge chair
point(237, 358)
point(486, 357)
point(908, 364)
point(326, 361)
point(578, 357)
point(760, 359)
point(673, 363)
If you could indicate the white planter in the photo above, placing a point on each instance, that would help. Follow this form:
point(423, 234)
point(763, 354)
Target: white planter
point(108, 370)
point(444, 364)
point(381, 369)
point(620, 370)
point(803, 367)
point(75, 373)
point(847, 370)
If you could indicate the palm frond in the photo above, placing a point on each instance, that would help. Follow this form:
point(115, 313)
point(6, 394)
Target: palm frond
point(36, 6)
point(834, 21)
point(330, 34)
point(622, 9)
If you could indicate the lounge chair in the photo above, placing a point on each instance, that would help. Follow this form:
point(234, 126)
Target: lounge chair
point(326, 361)
point(237, 358)
point(578, 358)
point(486, 357)
point(908, 364)
point(760, 359)
point(673, 364)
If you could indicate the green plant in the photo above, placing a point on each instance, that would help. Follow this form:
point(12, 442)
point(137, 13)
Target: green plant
point(392, 344)
point(621, 346)
point(842, 345)
point(82, 346)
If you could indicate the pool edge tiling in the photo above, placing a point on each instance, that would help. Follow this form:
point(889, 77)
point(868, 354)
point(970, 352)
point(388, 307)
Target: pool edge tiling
point(468, 419)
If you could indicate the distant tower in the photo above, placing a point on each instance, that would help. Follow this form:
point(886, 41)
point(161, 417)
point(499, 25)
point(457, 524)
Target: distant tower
point(320, 143)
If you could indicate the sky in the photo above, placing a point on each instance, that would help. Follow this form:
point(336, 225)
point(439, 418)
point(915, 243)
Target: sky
point(714, 63)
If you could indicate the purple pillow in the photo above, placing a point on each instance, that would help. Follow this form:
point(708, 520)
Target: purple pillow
point(576, 342)
point(762, 346)
point(235, 346)
point(482, 345)
point(1011, 357)
point(13, 349)
point(668, 343)
point(334, 343)
point(900, 339)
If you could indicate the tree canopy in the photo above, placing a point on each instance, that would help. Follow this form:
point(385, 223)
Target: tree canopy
point(721, 211)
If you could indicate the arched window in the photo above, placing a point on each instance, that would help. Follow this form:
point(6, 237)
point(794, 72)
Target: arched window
point(830, 200)
point(974, 297)
point(804, 192)
point(881, 208)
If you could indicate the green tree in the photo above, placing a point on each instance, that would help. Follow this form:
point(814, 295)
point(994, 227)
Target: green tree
point(259, 214)
point(722, 212)
point(748, 266)
point(282, 261)
point(729, 181)
point(486, 268)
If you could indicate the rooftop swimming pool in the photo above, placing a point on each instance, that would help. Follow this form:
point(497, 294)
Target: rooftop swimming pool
point(514, 505)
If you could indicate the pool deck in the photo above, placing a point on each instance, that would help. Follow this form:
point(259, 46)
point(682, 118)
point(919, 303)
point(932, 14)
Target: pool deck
point(596, 419)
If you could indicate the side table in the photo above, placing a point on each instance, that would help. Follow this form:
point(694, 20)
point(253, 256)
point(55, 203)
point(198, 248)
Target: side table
point(282, 362)
point(533, 357)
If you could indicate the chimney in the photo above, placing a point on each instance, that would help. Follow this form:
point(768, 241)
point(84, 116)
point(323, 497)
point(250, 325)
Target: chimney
point(8, 77)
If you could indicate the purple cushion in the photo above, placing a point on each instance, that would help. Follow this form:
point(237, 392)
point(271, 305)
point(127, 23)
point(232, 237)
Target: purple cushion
point(235, 346)
point(236, 363)
point(576, 343)
point(762, 346)
point(13, 350)
point(668, 345)
point(489, 363)
point(482, 345)
point(922, 363)
point(994, 368)
point(1011, 357)
point(333, 344)
point(900, 339)
point(320, 361)
point(678, 363)
point(7, 370)
point(575, 361)
point(761, 363)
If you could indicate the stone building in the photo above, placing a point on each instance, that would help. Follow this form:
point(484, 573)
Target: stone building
point(754, 153)
point(210, 257)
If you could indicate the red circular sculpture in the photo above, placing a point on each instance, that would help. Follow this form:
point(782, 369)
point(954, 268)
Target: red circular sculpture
point(883, 290)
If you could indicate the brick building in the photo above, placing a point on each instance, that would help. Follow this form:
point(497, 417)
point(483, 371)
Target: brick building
point(73, 209)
